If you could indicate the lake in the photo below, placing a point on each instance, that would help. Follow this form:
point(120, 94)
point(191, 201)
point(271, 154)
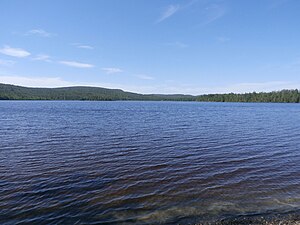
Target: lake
point(73, 162)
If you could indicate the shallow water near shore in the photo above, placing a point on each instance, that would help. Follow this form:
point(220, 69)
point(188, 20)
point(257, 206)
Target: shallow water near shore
point(78, 162)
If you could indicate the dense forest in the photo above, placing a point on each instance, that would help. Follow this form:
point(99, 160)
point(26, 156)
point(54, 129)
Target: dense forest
point(288, 96)
point(13, 92)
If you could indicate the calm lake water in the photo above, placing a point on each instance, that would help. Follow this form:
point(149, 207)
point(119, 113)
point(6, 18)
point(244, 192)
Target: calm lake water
point(74, 162)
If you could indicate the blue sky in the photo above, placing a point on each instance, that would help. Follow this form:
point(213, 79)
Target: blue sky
point(190, 47)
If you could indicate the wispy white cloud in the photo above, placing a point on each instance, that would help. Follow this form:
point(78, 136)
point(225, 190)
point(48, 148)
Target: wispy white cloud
point(15, 52)
point(85, 46)
point(213, 12)
point(276, 3)
point(50, 81)
point(284, 67)
point(29, 81)
point(260, 87)
point(6, 62)
point(180, 88)
point(42, 57)
point(78, 45)
point(162, 88)
point(76, 64)
point(39, 32)
point(177, 44)
point(111, 70)
point(144, 77)
point(239, 87)
point(294, 63)
point(222, 39)
point(209, 12)
point(168, 12)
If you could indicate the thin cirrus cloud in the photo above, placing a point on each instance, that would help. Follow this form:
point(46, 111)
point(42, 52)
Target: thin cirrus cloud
point(14, 52)
point(168, 12)
point(39, 32)
point(177, 44)
point(260, 87)
point(111, 70)
point(6, 62)
point(78, 45)
point(209, 13)
point(35, 81)
point(277, 3)
point(222, 39)
point(144, 77)
point(76, 64)
point(213, 12)
point(42, 57)
point(85, 47)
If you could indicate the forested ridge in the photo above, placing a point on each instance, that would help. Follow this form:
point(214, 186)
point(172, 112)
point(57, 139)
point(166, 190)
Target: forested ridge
point(13, 92)
point(288, 96)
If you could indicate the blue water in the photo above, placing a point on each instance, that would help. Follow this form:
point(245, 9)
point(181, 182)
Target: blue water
point(69, 162)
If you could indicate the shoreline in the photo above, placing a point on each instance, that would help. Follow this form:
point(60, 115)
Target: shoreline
point(289, 218)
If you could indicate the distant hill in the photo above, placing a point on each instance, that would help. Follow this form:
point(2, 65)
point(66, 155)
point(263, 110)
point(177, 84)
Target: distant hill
point(13, 92)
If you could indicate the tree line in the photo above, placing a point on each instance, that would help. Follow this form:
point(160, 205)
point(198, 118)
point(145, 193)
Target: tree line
point(13, 92)
point(288, 96)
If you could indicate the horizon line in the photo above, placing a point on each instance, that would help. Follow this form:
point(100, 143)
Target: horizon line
point(120, 89)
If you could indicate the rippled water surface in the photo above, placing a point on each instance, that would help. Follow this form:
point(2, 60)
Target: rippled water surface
point(146, 162)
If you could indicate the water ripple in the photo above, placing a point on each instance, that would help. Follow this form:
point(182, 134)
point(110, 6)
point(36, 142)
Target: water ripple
point(146, 162)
